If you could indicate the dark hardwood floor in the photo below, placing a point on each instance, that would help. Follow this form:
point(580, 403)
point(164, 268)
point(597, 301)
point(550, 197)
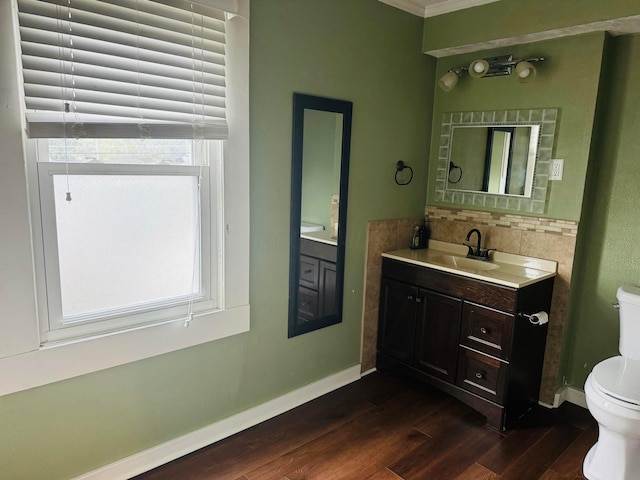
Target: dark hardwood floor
point(384, 428)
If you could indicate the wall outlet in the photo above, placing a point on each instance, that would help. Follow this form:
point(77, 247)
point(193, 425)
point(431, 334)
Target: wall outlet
point(557, 168)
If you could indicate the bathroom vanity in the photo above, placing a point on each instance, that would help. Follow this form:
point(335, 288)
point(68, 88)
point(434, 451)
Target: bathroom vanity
point(317, 279)
point(466, 326)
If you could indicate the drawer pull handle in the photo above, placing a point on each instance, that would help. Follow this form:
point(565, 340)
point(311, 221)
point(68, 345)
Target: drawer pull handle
point(308, 271)
point(479, 375)
point(418, 299)
point(410, 297)
point(484, 330)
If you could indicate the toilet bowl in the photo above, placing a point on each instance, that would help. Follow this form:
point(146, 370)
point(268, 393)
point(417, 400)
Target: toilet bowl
point(612, 390)
point(613, 397)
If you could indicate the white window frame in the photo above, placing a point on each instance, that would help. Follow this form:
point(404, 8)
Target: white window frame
point(36, 364)
point(53, 326)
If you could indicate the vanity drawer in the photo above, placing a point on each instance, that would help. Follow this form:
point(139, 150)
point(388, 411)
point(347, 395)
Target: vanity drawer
point(309, 272)
point(483, 375)
point(307, 304)
point(487, 330)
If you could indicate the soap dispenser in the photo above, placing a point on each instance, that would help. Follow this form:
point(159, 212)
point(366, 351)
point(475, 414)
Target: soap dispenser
point(425, 234)
point(416, 238)
point(421, 236)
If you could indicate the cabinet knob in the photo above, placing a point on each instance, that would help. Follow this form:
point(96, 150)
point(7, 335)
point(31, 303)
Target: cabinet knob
point(480, 375)
point(410, 297)
point(484, 330)
point(418, 299)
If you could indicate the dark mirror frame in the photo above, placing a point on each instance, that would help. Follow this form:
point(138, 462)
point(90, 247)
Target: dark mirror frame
point(302, 102)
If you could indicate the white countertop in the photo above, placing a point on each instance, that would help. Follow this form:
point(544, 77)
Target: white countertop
point(322, 236)
point(508, 269)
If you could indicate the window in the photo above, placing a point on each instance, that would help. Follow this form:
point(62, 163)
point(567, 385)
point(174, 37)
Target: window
point(132, 244)
point(136, 110)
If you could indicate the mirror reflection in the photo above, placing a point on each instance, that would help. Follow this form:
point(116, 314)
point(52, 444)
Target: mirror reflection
point(321, 158)
point(497, 159)
point(319, 179)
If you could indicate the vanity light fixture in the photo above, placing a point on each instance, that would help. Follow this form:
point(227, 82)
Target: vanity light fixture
point(492, 67)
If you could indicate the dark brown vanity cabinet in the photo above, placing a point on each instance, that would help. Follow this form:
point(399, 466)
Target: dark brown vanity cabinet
point(317, 281)
point(464, 336)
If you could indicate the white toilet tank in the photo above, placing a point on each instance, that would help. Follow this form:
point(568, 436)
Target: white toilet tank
point(629, 301)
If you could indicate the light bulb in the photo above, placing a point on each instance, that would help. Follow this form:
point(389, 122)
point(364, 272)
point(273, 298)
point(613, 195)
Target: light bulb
point(525, 71)
point(478, 68)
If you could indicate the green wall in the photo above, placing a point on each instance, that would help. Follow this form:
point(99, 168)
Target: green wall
point(607, 253)
point(557, 86)
point(511, 18)
point(600, 187)
point(360, 50)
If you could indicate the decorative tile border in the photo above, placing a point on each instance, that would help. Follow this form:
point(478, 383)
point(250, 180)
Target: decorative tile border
point(566, 228)
point(546, 118)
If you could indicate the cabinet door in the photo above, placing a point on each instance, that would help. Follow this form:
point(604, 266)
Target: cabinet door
point(437, 335)
point(327, 289)
point(397, 325)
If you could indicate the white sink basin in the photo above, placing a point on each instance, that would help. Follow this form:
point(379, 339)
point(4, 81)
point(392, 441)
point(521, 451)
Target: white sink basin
point(464, 263)
point(507, 269)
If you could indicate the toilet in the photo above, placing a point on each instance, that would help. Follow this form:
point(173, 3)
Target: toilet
point(612, 390)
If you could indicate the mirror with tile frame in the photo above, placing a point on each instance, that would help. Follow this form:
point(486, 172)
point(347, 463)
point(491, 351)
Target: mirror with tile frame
point(534, 189)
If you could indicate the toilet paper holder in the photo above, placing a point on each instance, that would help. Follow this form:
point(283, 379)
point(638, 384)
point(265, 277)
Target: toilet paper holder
point(538, 318)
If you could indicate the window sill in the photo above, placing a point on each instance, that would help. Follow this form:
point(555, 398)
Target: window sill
point(26, 370)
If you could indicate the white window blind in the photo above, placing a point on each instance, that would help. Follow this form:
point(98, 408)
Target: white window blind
point(123, 69)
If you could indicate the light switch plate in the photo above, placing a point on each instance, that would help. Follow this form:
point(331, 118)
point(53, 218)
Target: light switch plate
point(557, 169)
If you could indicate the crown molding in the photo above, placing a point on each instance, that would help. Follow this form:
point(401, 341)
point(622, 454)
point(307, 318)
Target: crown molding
point(407, 6)
point(448, 6)
point(429, 8)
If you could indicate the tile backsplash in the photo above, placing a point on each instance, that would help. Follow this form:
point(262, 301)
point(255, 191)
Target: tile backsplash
point(534, 237)
point(491, 219)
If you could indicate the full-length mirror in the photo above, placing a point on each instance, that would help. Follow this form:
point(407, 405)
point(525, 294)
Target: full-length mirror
point(319, 179)
point(497, 159)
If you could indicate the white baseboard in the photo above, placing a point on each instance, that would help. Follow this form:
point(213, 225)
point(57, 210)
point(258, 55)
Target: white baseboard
point(368, 372)
point(559, 397)
point(178, 447)
point(569, 394)
point(577, 397)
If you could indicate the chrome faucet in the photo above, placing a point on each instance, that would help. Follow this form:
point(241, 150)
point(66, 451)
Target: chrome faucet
point(478, 253)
